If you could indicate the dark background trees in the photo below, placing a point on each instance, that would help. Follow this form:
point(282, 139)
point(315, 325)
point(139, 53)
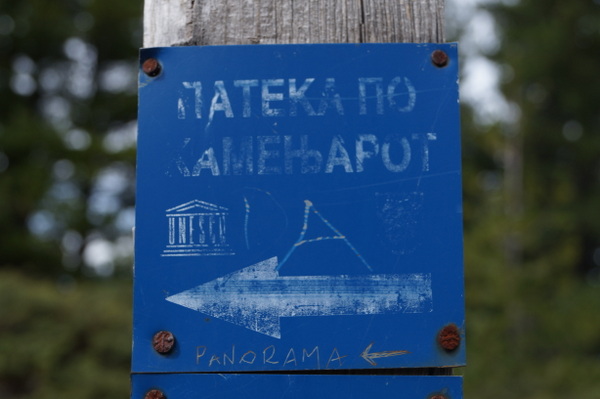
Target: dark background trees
point(67, 132)
point(67, 153)
point(532, 181)
point(67, 145)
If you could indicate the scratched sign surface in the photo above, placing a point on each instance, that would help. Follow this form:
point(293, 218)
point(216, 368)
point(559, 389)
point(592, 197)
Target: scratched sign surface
point(270, 386)
point(298, 208)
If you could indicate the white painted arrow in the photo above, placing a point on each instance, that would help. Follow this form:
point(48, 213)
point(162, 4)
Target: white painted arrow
point(256, 297)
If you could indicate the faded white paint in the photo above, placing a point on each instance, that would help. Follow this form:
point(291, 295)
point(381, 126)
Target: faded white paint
point(338, 156)
point(280, 97)
point(246, 85)
point(364, 151)
point(406, 154)
point(197, 87)
point(425, 139)
point(197, 228)
point(392, 94)
point(207, 161)
point(275, 155)
point(310, 159)
point(256, 297)
point(268, 97)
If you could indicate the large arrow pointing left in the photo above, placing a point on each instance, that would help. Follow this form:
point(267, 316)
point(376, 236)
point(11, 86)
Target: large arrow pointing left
point(256, 297)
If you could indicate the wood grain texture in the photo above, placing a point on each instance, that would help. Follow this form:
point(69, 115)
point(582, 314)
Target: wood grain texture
point(222, 22)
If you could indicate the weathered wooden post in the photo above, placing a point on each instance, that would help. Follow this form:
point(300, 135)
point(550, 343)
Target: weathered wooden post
point(217, 22)
point(299, 201)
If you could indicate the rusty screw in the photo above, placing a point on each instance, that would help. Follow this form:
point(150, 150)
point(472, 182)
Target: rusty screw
point(151, 67)
point(163, 342)
point(439, 58)
point(449, 337)
point(438, 396)
point(155, 394)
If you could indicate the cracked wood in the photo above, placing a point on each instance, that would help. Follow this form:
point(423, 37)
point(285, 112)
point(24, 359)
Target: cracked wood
point(223, 22)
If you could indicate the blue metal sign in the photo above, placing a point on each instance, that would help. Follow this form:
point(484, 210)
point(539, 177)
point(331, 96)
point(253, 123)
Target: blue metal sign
point(271, 386)
point(299, 208)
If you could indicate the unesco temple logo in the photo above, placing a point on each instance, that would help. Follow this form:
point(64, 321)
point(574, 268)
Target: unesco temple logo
point(197, 228)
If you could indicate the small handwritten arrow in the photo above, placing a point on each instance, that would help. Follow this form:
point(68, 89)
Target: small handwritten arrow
point(256, 297)
point(378, 355)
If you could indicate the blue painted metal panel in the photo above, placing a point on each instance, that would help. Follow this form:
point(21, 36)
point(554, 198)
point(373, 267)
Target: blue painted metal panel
point(298, 208)
point(270, 386)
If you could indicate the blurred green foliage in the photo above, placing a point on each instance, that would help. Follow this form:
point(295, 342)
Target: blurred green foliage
point(68, 106)
point(532, 214)
point(67, 146)
point(64, 339)
point(68, 73)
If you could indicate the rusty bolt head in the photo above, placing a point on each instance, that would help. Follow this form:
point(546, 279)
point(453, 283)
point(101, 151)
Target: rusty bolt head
point(151, 67)
point(155, 394)
point(438, 396)
point(163, 342)
point(439, 58)
point(449, 337)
